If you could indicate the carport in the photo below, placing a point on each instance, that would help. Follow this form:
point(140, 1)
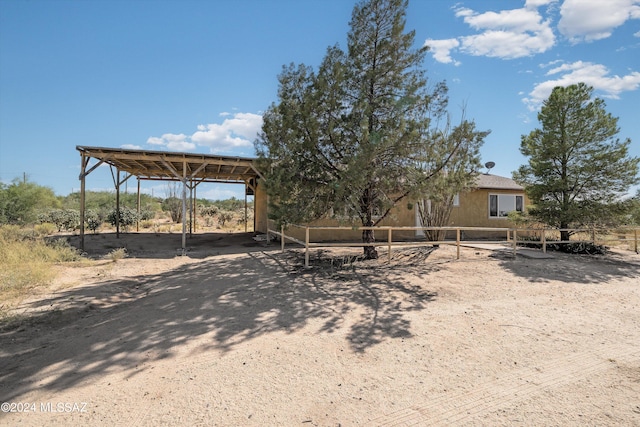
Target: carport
point(188, 168)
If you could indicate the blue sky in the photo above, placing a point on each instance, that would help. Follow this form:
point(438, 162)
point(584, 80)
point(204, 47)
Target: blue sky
point(196, 75)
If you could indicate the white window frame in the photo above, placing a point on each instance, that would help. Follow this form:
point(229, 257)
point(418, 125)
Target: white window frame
point(503, 195)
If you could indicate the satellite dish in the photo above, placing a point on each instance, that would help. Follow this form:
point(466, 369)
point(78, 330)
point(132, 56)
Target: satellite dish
point(489, 165)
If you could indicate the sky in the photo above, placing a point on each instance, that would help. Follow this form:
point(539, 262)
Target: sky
point(196, 75)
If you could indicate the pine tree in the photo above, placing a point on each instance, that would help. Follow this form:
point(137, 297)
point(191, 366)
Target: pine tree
point(350, 138)
point(577, 167)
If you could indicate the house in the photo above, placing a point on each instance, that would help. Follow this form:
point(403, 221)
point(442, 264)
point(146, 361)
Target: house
point(485, 206)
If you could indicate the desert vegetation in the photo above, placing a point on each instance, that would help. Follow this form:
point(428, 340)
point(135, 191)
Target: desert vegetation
point(35, 226)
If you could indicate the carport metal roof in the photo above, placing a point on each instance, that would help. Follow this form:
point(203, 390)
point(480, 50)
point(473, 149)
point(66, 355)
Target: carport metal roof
point(170, 166)
point(189, 168)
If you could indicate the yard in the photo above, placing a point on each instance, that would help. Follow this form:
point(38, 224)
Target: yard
point(238, 333)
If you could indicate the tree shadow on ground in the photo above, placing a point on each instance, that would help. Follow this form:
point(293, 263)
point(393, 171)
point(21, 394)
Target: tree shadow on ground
point(573, 268)
point(169, 245)
point(221, 301)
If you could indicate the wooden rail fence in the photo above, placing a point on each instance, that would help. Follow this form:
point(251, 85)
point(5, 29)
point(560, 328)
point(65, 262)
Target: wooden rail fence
point(595, 236)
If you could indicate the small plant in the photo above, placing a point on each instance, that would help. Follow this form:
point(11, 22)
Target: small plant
point(117, 254)
point(224, 217)
point(146, 223)
point(93, 220)
point(45, 229)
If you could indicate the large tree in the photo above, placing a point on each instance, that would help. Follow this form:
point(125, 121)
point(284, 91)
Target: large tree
point(577, 167)
point(23, 200)
point(348, 138)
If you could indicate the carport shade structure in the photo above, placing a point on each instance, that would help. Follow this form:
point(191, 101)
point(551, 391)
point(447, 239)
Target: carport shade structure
point(188, 168)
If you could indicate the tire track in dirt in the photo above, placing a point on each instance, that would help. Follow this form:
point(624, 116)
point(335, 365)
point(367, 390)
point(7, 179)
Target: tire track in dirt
point(460, 408)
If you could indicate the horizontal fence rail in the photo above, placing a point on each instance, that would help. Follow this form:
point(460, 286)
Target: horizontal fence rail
point(533, 236)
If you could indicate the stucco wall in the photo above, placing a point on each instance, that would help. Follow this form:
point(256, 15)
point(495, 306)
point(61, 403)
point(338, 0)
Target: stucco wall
point(399, 216)
point(473, 211)
point(260, 208)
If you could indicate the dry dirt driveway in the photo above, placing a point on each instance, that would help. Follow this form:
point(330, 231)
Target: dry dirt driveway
point(236, 333)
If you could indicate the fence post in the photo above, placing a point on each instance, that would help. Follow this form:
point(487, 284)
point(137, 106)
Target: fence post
point(635, 239)
point(515, 241)
point(389, 239)
point(457, 243)
point(282, 238)
point(544, 240)
point(306, 246)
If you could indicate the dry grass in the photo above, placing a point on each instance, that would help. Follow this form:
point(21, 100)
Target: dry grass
point(117, 254)
point(26, 263)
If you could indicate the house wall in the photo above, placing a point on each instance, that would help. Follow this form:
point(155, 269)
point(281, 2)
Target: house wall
point(260, 208)
point(399, 216)
point(473, 211)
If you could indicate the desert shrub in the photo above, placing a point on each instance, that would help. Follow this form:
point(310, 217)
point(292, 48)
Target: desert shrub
point(581, 248)
point(126, 217)
point(224, 217)
point(147, 214)
point(173, 206)
point(26, 260)
point(117, 254)
point(93, 220)
point(208, 211)
point(64, 219)
point(45, 229)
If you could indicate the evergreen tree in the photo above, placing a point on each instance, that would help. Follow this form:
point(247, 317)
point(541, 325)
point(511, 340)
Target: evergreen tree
point(351, 137)
point(577, 167)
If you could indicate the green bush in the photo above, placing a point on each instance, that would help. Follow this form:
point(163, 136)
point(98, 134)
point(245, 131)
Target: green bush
point(93, 220)
point(126, 218)
point(224, 217)
point(64, 219)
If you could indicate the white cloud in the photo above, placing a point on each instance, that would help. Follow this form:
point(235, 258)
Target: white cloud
point(595, 75)
point(237, 131)
point(595, 19)
point(131, 147)
point(506, 34)
point(442, 49)
point(636, 34)
point(538, 3)
point(173, 142)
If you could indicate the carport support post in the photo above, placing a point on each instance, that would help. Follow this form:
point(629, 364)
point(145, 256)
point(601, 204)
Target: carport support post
point(544, 241)
point(195, 208)
point(457, 243)
point(190, 207)
point(85, 161)
point(245, 208)
point(635, 238)
point(281, 237)
point(389, 241)
point(184, 207)
point(138, 206)
point(118, 213)
point(515, 242)
point(306, 246)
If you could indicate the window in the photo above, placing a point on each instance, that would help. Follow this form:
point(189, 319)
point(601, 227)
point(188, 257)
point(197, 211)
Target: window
point(501, 204)
point(456, 199)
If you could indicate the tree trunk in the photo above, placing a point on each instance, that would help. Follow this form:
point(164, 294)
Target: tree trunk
point(370, 252)
point(564, 234)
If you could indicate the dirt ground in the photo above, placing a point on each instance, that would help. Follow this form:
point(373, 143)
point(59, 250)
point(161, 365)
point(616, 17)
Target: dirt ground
point(237, 333)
